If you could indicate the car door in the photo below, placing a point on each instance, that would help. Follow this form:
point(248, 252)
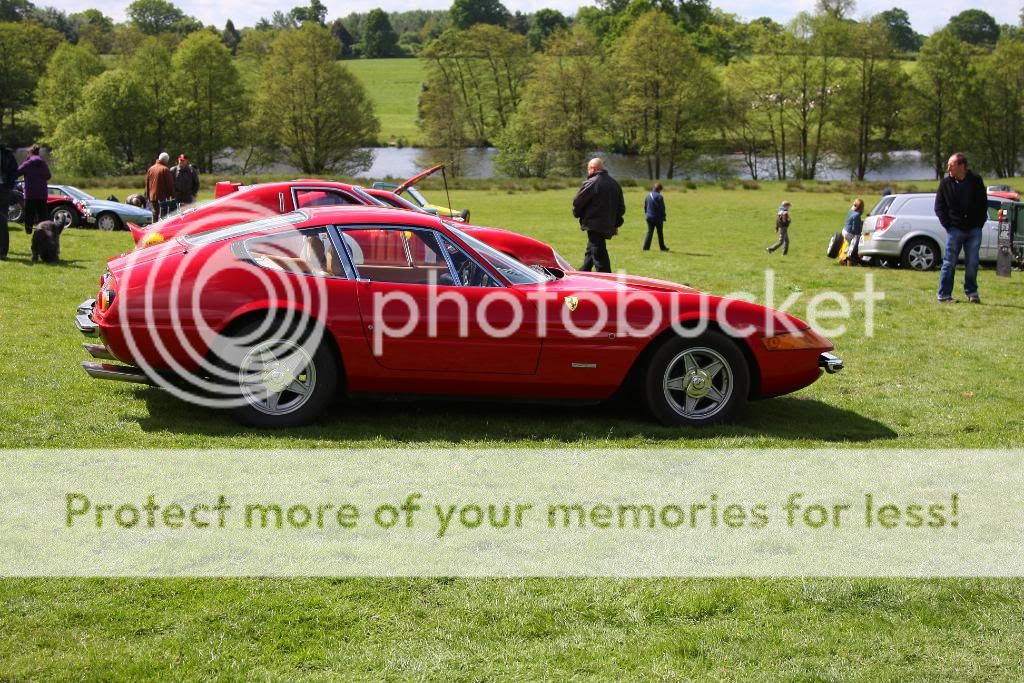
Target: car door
point(428, 305)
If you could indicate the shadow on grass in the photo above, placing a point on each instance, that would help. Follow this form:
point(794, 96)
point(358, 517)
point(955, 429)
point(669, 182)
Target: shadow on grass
point(462, 420)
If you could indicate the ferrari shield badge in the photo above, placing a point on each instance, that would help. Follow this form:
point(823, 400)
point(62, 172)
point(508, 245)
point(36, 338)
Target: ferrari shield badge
point(572, 302)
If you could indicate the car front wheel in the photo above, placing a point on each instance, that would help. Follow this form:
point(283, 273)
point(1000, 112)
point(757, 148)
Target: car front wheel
point(921, 254)
point(281, 380)
point(65, 216)
point(108, 221)
point(697, 381)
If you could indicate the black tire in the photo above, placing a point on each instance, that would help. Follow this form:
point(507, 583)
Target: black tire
point(835, 245)
point(109, 221)
point(65, 215)
point(705, 392)
point(274, 358)
point(16, 210)
point(921, 254)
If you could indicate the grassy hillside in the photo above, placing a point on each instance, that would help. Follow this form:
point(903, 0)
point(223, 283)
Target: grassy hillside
point(394, 87)
point(906, 386)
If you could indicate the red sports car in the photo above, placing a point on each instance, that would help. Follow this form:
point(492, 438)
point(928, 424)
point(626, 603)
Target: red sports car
point(270, 318)
point(236, 204)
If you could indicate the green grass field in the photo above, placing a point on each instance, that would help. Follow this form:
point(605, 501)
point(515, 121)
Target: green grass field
point(930, 377)
point(394, 88)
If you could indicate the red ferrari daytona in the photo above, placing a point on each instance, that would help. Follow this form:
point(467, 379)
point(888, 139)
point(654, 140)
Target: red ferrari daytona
point(270, 318)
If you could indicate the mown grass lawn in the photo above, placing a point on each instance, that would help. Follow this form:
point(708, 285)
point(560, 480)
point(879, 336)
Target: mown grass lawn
point(929, 376)
point(394, 88)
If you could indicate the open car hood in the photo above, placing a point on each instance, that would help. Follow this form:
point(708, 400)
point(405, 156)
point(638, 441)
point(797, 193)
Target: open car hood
point(418, 177)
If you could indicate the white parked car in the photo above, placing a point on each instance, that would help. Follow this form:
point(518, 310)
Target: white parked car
point(904, 228)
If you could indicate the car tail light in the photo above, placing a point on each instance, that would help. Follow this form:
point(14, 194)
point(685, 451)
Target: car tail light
point(106, 299)
point(883, 223)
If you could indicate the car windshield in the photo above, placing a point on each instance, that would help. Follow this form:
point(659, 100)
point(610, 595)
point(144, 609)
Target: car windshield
point(415, 194)
point(512, 270)
point(76, 193)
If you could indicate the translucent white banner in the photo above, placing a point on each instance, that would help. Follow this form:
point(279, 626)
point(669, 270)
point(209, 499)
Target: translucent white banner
point(418, 512)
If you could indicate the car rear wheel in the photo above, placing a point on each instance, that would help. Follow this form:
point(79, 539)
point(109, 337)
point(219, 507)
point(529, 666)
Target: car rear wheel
point(835, 245)
point(282, 379)
point(108, 221)
point(64, 215)
point(16, 210)
point(920, 254)
point(697, 381)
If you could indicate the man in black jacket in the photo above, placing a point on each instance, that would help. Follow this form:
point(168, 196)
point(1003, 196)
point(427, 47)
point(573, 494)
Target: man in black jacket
point(961, 204)
point(600, 207)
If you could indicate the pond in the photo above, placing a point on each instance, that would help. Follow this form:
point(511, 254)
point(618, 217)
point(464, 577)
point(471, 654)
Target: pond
point(403, 162)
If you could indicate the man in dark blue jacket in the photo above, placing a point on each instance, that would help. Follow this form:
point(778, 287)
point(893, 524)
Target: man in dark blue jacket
point(600, 207)
point(654, 209)
point(961, 205)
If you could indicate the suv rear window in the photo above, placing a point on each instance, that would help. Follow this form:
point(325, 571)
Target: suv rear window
point(882, 206)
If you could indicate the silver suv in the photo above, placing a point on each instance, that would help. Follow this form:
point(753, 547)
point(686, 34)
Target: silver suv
point(904, 227)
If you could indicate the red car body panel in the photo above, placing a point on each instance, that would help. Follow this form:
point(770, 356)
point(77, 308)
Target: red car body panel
point(556, 365)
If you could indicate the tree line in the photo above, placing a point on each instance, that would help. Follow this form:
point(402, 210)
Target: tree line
point(672, 81)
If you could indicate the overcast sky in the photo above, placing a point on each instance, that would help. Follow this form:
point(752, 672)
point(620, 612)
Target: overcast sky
point(925, 15)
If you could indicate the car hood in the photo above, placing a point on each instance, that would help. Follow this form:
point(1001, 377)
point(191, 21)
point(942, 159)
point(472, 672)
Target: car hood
point(103, 204)
point(583, 281)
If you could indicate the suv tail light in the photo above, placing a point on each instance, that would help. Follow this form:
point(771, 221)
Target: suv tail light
point(883, 223)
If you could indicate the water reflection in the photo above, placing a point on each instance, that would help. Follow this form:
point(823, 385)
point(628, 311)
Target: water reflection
point(479, 163)
point(403, 162)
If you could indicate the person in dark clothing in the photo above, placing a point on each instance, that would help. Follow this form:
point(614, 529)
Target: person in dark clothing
point(600, 207)
point(961, 204)
point(36, 173)
point(782, 222)
point(8, 176)
point(160, 186)
point(186, 181)
point(654, 210)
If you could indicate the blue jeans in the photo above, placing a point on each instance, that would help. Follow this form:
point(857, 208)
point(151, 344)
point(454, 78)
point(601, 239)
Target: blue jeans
point(970, 242)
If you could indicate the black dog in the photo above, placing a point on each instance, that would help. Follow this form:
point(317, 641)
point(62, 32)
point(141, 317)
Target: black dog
point(46, 242)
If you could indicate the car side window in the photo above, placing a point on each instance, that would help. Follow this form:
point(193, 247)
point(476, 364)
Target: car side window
point(397, 255)
point(471, 273)
point(323, 197)
point(993, 210)
point(919, 206)
point(308, 252)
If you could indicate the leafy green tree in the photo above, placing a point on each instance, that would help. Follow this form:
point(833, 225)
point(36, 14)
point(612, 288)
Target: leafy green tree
point(25, 49)
point(315, 12)
point(937, 103)
point(51, 17)
point(313, 106)
point(208, 103)
point(230, 37)
point(997, 101)
point(14, 10)
point(542, 24)
point(67, 73)
point(379, 39)
point(669, 94)
point(152, 64)
point(564, 110)
point(483, 69)
point(343, 36)
point(114, 110)
point(974, 27)
point(870, 97)
point(742, 129)
point(82, 155)
point(95, 28)
point(901, 33)
point(466, 13)
point(160, 16)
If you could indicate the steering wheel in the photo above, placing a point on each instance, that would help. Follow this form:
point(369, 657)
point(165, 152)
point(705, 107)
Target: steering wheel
point(467, 272)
